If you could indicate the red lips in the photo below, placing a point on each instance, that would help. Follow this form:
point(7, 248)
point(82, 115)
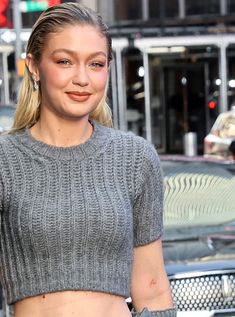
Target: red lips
point(78, 96)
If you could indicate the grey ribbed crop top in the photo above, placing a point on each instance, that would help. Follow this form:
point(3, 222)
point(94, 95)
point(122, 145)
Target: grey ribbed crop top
point(70, 217)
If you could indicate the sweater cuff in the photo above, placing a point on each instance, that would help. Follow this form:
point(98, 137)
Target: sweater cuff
point(159, 313)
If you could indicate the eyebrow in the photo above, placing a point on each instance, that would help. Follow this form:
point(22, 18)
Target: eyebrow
point(70, 52)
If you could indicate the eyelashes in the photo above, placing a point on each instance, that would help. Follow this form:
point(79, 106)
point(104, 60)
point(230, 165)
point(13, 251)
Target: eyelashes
point(97, 65)
point(66, 62)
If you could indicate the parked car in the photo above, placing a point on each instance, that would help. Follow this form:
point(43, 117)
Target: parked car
point(199, 235)
point(199, 238)
point(7, 112)
point(222, 133)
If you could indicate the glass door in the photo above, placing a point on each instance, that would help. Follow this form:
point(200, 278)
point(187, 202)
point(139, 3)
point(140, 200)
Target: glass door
point(185, 104)
point(157, 97)
point(184, 85)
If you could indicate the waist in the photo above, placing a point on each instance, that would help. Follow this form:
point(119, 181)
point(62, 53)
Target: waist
point(41, 280)
point(72, 304)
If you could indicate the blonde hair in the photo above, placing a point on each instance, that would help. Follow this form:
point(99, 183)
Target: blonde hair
point(50, 21)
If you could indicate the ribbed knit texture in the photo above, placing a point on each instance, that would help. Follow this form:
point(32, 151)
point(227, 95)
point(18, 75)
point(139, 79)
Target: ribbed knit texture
point(70, 217)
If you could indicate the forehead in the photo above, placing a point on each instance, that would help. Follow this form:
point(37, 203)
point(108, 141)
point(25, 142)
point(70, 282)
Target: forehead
point(81, 38)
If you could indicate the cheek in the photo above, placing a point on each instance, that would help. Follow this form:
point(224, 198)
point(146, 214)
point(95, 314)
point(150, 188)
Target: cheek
point(101, 81)
point(54, 77)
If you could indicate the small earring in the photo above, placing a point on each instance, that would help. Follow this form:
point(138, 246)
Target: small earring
point(35, 84)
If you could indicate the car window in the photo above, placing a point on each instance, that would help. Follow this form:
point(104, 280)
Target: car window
point(198, 194)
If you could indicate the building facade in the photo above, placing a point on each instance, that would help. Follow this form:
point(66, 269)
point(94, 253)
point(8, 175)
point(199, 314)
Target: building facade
point(173, 70)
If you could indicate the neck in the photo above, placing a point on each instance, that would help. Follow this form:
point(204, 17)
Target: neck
point(62, 133)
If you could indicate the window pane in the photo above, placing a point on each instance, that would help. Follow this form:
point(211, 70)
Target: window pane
point(127, 10)
point(171, 8)
point(135, 92)
point(154, 9)
point(231, 74)
point(168, 8)
point(182, 84)
point(202, 7)
point(231, 6)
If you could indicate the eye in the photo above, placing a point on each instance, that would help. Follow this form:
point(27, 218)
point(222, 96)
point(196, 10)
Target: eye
point(97, 64)
point(64, 62)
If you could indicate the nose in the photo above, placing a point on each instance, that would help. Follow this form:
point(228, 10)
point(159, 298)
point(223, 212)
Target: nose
point(80, 77)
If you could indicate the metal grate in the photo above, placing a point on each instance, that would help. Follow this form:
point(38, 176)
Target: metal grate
point(208, 292)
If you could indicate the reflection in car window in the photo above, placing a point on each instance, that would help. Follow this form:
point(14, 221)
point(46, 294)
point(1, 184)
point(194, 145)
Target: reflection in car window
point(198, 194)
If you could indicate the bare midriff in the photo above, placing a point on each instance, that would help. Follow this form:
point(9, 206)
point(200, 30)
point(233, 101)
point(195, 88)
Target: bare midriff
point(73, 304)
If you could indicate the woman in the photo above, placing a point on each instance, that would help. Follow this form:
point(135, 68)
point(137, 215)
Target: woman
point(81, 203)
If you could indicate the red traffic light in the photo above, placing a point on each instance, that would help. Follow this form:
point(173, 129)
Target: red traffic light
point(212, 105)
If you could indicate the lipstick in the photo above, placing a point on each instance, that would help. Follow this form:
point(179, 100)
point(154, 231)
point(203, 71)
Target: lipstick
point(78, 96)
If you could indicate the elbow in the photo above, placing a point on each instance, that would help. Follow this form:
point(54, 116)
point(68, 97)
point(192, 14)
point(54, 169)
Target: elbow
point(150, 289)
point(152, 294)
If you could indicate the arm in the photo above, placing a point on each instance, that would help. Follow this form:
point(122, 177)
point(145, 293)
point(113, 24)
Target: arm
point(150, 287)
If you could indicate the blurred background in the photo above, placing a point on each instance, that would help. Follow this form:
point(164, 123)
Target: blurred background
point(173, 71)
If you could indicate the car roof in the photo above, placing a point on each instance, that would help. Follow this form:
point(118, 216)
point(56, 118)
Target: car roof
point(199, 158)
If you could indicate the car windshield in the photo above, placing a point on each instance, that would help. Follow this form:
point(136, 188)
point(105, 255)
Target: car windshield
point(199, 198)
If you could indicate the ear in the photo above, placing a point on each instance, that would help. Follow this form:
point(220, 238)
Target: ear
point(32, 67)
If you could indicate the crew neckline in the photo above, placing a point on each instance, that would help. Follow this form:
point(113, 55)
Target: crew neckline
point(95, 143)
